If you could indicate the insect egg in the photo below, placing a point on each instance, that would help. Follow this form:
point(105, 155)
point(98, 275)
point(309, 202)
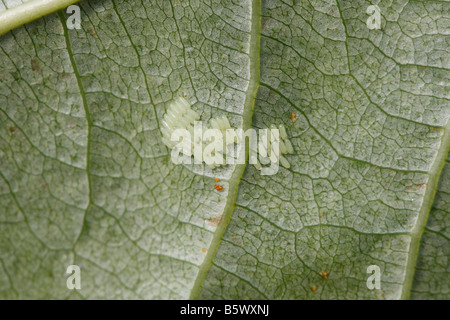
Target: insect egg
point(191, 131)
point(284, 162)
point(170, 121)
point(289, 147)
point(262, 149)
point(283, 134)
point(190, 117)
point(273, 157)
point(226, 122)
point(257, 165)
point(178, 108)
point(165, 131)
point(184, 102)
point(265, 140)
point(194, 115)
point(167, 142)
point(166, 125)
point(172, 113)
point(221, 123)
point(175, 118)
point(214, 124)
point(266, 144)
point(179, 115)
point(283, 148)
point(264, 160)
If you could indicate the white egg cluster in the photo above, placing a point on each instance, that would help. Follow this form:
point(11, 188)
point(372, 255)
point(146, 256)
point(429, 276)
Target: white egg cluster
point(179, 115)
point(285, 147)
point(223, 124)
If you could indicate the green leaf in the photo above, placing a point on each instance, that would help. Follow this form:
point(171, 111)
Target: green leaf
point(431, 280)
point(358, 192)
point(86, 180)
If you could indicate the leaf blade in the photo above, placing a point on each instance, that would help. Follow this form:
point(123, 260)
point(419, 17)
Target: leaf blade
point(352, 197)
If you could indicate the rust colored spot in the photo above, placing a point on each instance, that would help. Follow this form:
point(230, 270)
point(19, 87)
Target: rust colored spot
point(214, 222)
point(217, 179)
point(35, 66)
point(218, 187)
point(204, 250)
point(417, 187)
point(324, 274)
point(293, 117)
point(314, 288)
point(94, 33)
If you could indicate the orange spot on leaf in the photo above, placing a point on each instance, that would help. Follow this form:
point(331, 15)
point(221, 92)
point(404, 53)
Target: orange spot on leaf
point(293, 117)
point(214, 221)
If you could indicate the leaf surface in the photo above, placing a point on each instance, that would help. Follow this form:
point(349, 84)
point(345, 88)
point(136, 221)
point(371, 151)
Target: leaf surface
point(86, 180)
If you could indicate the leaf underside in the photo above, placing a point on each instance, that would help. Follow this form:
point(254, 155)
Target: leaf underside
point(85, 178)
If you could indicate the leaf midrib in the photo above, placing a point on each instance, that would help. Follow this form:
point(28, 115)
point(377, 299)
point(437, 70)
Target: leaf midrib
point(249, 105)
point(428, 199)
